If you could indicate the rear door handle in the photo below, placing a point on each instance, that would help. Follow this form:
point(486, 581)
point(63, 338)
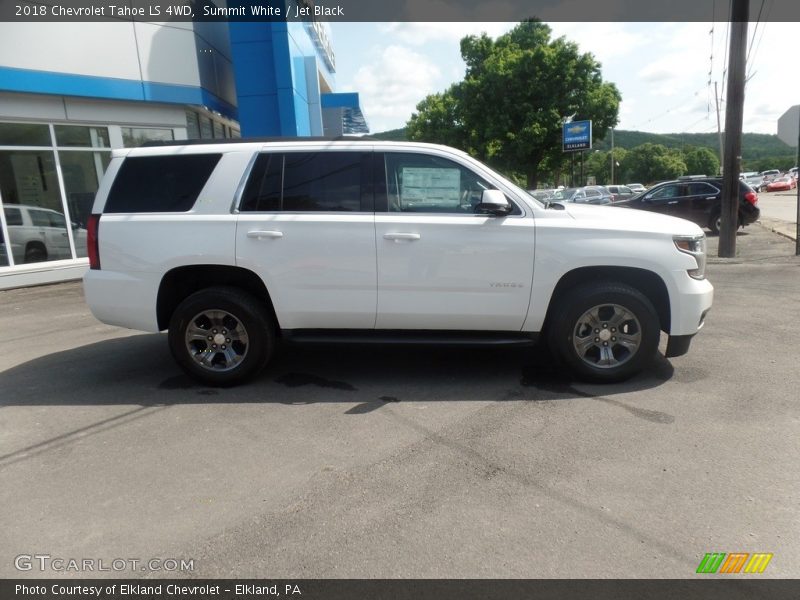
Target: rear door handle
point(264, 234)
point(673, 202)
point(401, 236)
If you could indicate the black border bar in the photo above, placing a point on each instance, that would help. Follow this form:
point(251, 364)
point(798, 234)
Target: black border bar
point(396, 11)
point(739, 587)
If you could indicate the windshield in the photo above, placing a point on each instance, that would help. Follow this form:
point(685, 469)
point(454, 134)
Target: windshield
point(566, 194)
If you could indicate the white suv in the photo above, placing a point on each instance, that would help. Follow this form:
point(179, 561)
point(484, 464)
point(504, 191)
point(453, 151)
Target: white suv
point(231, 246)
point(38, 234)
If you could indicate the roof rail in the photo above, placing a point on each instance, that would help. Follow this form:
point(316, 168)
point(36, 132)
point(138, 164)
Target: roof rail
point(338, 138)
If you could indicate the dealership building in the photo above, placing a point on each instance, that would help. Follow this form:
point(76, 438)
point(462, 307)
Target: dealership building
point(72, 92)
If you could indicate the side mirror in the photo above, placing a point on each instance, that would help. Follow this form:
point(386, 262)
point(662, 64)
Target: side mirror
point(494, 202)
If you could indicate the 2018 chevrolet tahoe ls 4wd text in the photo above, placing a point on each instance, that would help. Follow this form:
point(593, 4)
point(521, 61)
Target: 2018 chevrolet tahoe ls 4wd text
point(230, 246)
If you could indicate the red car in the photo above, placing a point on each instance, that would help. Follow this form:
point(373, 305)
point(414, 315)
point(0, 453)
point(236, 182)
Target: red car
point(782, 184)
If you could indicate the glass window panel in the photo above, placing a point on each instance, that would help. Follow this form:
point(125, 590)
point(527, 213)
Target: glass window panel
point(235, 133)
point(82, 172)
point(219, 131)
point(192, 125)
point(136, 136)
point(324, 181)
point(206, 131)
point(3, 250)
point(28, 184)
point(429, 184)
point(160, 183)
point(75, 136)
point(263, 190)
point(24, 134)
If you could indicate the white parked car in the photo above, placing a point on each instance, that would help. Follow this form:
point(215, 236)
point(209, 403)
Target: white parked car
point(38, 234)
point(230, 246)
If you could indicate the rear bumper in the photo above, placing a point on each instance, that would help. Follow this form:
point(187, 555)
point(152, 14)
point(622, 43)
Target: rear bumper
point(749, 214)
point(121, 299)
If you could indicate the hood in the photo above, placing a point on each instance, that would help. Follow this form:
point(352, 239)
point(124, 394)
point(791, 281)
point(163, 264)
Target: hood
point(612, 216)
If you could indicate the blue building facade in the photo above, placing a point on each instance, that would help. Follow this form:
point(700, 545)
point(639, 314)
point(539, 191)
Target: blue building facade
point(285, 81)
point(72, 92)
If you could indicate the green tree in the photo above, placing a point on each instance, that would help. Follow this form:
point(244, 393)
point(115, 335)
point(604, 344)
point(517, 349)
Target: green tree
point(701, 161)
point(517, 90)
point(599, 165)
point(650, 163)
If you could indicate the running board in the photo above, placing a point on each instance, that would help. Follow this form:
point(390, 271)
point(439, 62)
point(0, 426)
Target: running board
point(409, 337)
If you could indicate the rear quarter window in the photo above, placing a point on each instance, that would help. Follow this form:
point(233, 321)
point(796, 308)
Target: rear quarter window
point(160, 183)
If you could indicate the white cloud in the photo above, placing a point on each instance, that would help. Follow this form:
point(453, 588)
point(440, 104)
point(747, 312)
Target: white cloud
point(391, 85)
point(419, 34)
point(607, 41)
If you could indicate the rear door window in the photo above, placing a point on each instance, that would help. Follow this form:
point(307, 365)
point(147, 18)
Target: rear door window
point(310, 182)
point(13, 216)
point(702, 189)
point(160, 183)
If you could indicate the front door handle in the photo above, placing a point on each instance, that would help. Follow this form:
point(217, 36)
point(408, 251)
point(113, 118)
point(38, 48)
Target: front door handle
point(401, 236)
point(673, 202)
point(264, 234)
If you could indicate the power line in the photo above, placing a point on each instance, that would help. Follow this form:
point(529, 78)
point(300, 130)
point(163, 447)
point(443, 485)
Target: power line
point(725, 56)
point(755, 31)
point(750, 61)
point(686, 128)
point(669, 110)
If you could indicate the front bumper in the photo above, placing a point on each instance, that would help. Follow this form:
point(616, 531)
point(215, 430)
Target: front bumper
point(690, 304)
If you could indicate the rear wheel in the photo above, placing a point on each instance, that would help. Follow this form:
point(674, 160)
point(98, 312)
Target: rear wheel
point(35, 253)
point(221, 335)
point(605, 331)
point(715, 222)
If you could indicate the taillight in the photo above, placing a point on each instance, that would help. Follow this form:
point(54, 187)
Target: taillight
point(92, 246)
point(751, 197)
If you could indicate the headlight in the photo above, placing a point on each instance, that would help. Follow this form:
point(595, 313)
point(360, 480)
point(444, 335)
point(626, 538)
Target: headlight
point(696, 247)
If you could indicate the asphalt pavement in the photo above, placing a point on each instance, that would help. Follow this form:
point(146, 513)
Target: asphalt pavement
point(401, 462)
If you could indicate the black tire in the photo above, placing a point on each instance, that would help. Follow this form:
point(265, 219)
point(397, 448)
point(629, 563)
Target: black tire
point(614, 303)
point(250, 336)
point(35, 253)
point(715, 222)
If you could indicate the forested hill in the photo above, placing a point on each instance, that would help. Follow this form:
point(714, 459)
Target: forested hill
point(754, 145)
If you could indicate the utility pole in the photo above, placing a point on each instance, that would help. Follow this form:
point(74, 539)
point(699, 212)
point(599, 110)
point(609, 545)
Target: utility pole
point(612, 156)
point(734, 112)
point(719, 127)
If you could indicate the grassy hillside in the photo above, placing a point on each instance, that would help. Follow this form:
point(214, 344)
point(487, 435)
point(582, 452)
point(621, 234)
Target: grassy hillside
point(754, 145)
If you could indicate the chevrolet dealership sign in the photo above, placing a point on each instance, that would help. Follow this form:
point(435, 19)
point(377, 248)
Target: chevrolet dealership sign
point(576, 135)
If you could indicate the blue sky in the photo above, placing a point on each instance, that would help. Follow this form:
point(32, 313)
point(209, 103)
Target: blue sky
point(661, 69)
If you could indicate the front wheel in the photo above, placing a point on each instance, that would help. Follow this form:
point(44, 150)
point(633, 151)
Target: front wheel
point(221, 336)
point(605, 331)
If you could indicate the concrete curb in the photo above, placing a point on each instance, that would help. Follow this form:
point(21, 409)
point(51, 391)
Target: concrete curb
point(785, 228)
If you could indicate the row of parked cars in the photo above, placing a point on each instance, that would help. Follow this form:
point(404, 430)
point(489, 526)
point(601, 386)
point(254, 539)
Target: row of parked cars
point(590, 194)
point(697, 198)
point(771, 181)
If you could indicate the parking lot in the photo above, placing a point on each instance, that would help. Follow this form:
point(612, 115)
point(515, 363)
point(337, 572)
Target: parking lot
point(406, 462)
